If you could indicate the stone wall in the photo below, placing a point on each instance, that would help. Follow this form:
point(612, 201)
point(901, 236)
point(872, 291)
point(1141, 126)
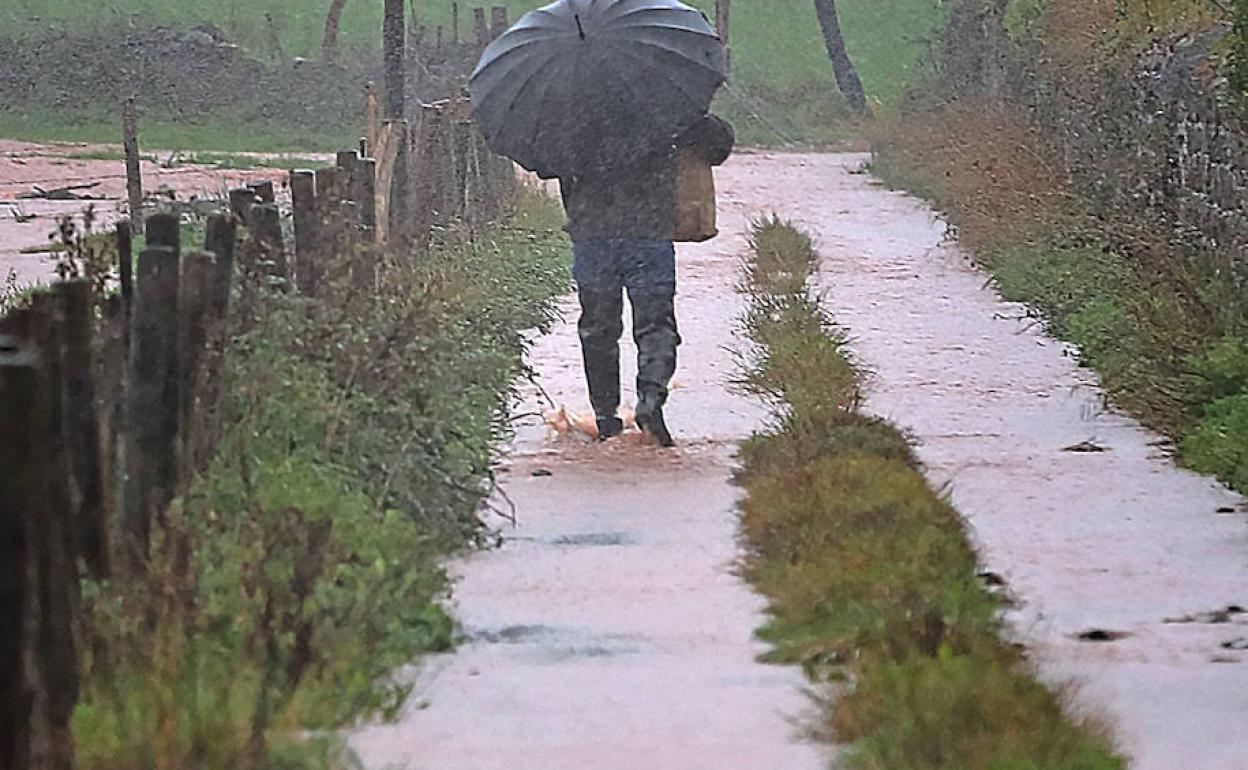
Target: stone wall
point(1159, 142)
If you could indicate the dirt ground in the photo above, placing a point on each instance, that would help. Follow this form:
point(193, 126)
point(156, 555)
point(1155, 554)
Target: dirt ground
point(25, 225)
point(609, 632)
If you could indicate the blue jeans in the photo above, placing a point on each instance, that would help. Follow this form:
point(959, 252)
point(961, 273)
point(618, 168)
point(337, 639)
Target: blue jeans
point(610, 264)
point(603, 269)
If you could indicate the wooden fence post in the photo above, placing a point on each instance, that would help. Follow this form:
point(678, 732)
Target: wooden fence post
point(82, 425)
point(23, 488)
point(364, 266)
point(307, 222)
point(125, 271)
point(152, 400)
point(480, 28)
point(454, 23)
point(165, 230)
point(393, 39)
point(194, 315)
point(110, 366)
point(264, 221)
point(56, 570)
point(134, 165)
point(241, 200)
point(263, 190)
point(498, 21)
point(219, 239)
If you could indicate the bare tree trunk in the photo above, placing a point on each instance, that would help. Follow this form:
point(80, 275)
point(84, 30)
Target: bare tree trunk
point(329, 46)
point(846, 75)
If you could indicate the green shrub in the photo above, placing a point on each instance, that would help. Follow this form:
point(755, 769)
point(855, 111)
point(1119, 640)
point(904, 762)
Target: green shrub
point(1218, 444)
point(302, 566)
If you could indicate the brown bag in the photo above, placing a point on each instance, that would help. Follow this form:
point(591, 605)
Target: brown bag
point(695, 199)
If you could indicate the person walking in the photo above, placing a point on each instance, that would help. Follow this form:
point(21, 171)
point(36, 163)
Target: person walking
point(622, 220)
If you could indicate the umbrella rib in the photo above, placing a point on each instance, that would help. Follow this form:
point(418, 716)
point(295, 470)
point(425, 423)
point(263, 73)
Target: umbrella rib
point(692, 13)
point(661, 73)
point(651, 44)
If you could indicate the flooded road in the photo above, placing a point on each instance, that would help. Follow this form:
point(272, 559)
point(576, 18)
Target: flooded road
point(1123, 565)
point(608, 632)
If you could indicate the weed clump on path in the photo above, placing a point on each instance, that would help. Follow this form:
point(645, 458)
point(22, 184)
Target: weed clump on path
point(870, 575)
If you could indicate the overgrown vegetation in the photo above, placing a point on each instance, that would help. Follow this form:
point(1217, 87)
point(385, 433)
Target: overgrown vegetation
point(872, 583)
point(302, 567)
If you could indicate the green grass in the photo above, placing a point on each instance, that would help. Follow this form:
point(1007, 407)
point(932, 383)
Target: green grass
point(774, 41)
point(871, 579)
point(214, 134)
point(783, 88)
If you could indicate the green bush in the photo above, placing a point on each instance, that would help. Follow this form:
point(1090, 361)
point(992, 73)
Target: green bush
point(1218, 444)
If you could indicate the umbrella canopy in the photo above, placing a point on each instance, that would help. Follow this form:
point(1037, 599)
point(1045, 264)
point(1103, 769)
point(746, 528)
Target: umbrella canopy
point(583, 84)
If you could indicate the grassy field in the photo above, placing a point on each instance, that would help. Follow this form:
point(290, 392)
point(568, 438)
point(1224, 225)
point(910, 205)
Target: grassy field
point(216, 135)
point(783, 79)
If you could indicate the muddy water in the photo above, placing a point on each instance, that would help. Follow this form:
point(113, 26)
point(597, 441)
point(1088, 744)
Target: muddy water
point(25, 225)
point(609, 631)
point(1116, 541)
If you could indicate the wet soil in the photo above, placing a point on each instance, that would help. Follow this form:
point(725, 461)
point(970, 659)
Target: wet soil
point(25, 225)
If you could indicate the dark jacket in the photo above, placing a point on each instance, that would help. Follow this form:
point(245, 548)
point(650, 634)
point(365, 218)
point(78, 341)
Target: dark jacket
point(639, 201)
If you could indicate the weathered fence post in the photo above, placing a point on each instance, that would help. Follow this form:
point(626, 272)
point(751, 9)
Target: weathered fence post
point(393, 38)
point(82, 425)
point(23, 490)
point(498, 21)
point(480, 28)
point(57, 591)
point(219, 239)
point(264, 221)
point(152, 400)
point(125, 272)
point(134, 164)
point(303, 206)
point(241, 200)
point(194, 314)
point(364, 182)
point(263, 190)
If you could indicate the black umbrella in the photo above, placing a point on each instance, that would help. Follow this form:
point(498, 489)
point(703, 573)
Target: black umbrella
point(596, 83)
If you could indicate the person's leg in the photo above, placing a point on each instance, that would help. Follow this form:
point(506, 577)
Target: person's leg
point(601, 325)
point(651, 283)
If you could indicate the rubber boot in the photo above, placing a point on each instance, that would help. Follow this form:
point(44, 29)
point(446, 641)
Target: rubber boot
point(654, 331)
point(600, 327)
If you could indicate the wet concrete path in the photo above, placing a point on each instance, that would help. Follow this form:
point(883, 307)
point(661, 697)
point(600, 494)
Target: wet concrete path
point(1117, 541)
point(609, 632)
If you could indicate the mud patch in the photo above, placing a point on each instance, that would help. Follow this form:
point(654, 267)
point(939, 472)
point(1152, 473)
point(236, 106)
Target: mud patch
point(594, 540)
point(556, 644)
point(1101, 635)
